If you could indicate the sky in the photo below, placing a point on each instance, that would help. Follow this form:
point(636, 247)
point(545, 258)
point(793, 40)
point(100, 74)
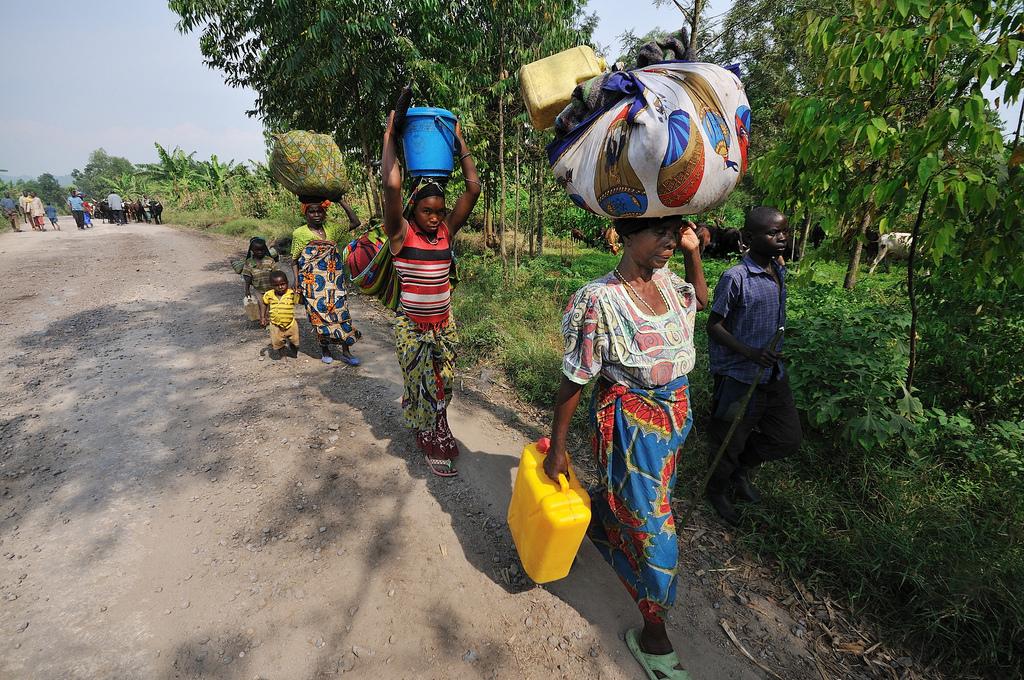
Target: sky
point(617, 16)
point(118, 77)
point(123, 85)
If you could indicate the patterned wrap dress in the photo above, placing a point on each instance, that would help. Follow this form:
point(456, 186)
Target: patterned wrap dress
point(641, 416)
point(322, 285)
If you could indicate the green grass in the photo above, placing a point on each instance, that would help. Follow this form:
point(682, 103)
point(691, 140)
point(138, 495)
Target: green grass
point(230, 224)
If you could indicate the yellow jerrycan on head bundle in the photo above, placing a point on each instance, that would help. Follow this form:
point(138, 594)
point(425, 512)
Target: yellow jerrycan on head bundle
point(547, 84)
point(548, 521)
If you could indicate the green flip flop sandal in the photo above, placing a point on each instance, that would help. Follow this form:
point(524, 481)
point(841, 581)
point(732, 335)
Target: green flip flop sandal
point(657, 666)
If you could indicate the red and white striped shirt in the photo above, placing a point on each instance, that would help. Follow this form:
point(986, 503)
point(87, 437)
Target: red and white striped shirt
point(424, 269)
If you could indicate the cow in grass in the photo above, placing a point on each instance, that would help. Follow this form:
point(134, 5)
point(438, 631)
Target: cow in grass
point(721, 242)
point(894, 244)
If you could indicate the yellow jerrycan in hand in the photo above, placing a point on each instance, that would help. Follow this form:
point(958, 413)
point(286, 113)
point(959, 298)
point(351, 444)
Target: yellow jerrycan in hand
point(548, 521)
point(547, 84)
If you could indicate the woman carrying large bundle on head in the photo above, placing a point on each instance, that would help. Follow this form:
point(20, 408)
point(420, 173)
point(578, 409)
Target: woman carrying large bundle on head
point(320, 278)
point(420, 232)
point(632, 330)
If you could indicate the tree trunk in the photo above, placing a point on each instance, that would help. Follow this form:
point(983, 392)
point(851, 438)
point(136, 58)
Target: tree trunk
point(698, 7)
point(911, 289)
point(369, 196)
point(1016, 135)
point(855, 251)
point(807, 232)
point(376, 206)
point(532, 220)
point(494, 220)
point(515, 224)
point(487, 226)
point(540, 214)
point(501, 159)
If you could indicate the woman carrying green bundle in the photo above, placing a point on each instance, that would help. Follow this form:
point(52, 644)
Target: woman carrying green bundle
point(320, 277)
point(420, 234)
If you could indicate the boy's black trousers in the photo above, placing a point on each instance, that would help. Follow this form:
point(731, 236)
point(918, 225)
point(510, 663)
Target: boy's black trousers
point(769, 430)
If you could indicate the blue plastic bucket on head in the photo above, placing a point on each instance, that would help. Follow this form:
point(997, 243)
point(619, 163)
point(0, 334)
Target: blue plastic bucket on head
point(428, 141)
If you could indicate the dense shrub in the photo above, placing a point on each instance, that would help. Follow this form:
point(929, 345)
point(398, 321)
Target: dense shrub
point(848, 362)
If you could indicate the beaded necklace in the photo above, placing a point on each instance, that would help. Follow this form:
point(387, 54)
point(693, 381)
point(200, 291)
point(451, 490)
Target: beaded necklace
point(619, 276)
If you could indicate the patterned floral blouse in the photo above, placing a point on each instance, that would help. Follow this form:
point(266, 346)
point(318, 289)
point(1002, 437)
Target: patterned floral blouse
point(607, 333)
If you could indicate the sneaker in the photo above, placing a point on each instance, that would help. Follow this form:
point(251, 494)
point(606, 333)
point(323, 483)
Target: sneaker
point(327, 359)
point(274, 354)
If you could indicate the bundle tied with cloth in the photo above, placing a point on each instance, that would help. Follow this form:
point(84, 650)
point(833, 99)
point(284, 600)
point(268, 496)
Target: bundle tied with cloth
point(666, 137)
point(309, 164)
point(371, 268)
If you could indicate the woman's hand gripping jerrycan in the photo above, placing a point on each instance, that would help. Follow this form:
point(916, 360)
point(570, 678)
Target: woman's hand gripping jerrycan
point(547, 520)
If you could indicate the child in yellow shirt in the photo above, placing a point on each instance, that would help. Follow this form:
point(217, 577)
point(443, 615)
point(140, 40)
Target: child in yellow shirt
point(277, 311)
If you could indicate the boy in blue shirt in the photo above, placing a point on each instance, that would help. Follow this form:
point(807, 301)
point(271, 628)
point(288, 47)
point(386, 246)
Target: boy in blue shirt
point(748, 308)
point(51, 213)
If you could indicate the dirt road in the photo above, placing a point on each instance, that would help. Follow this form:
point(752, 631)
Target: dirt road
point(175, 506)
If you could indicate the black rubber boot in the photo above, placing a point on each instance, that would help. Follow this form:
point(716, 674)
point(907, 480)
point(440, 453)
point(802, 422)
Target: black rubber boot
point(724, 507)
point(745, 490)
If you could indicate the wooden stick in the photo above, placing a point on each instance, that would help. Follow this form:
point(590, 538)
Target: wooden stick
point(732, 636)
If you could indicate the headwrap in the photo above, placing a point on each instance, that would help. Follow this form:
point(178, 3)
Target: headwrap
point(308, 203)
point(424, 187)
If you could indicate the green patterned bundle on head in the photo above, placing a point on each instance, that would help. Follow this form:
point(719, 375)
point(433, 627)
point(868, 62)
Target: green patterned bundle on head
point(308, 163)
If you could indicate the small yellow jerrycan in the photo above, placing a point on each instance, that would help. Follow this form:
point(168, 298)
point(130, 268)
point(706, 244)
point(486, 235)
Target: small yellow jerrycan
point(547, 84)
point(547, 520)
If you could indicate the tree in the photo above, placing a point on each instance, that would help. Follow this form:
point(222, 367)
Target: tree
point(327, 65)
point(49, 189)
point(899, 126)
point(767, 38)
point(335, 65)
point(101, 164)
point(127, 185)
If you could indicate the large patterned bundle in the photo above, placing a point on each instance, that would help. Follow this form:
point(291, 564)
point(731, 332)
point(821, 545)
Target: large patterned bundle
point(309, 164)
point(676, 145)
point(372, 269)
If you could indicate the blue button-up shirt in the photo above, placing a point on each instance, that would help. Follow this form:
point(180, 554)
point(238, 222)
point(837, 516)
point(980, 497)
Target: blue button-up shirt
point(8, 204)
point(75, 202)
point(753, 307)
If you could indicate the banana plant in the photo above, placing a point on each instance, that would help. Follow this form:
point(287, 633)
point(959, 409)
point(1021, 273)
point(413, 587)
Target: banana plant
point(176, 169)
point(126, 184)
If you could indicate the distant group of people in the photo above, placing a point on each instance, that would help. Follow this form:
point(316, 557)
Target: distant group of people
point(30, 210)
point(119, 211)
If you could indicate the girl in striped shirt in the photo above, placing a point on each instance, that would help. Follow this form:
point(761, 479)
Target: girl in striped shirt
point(420, 235)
